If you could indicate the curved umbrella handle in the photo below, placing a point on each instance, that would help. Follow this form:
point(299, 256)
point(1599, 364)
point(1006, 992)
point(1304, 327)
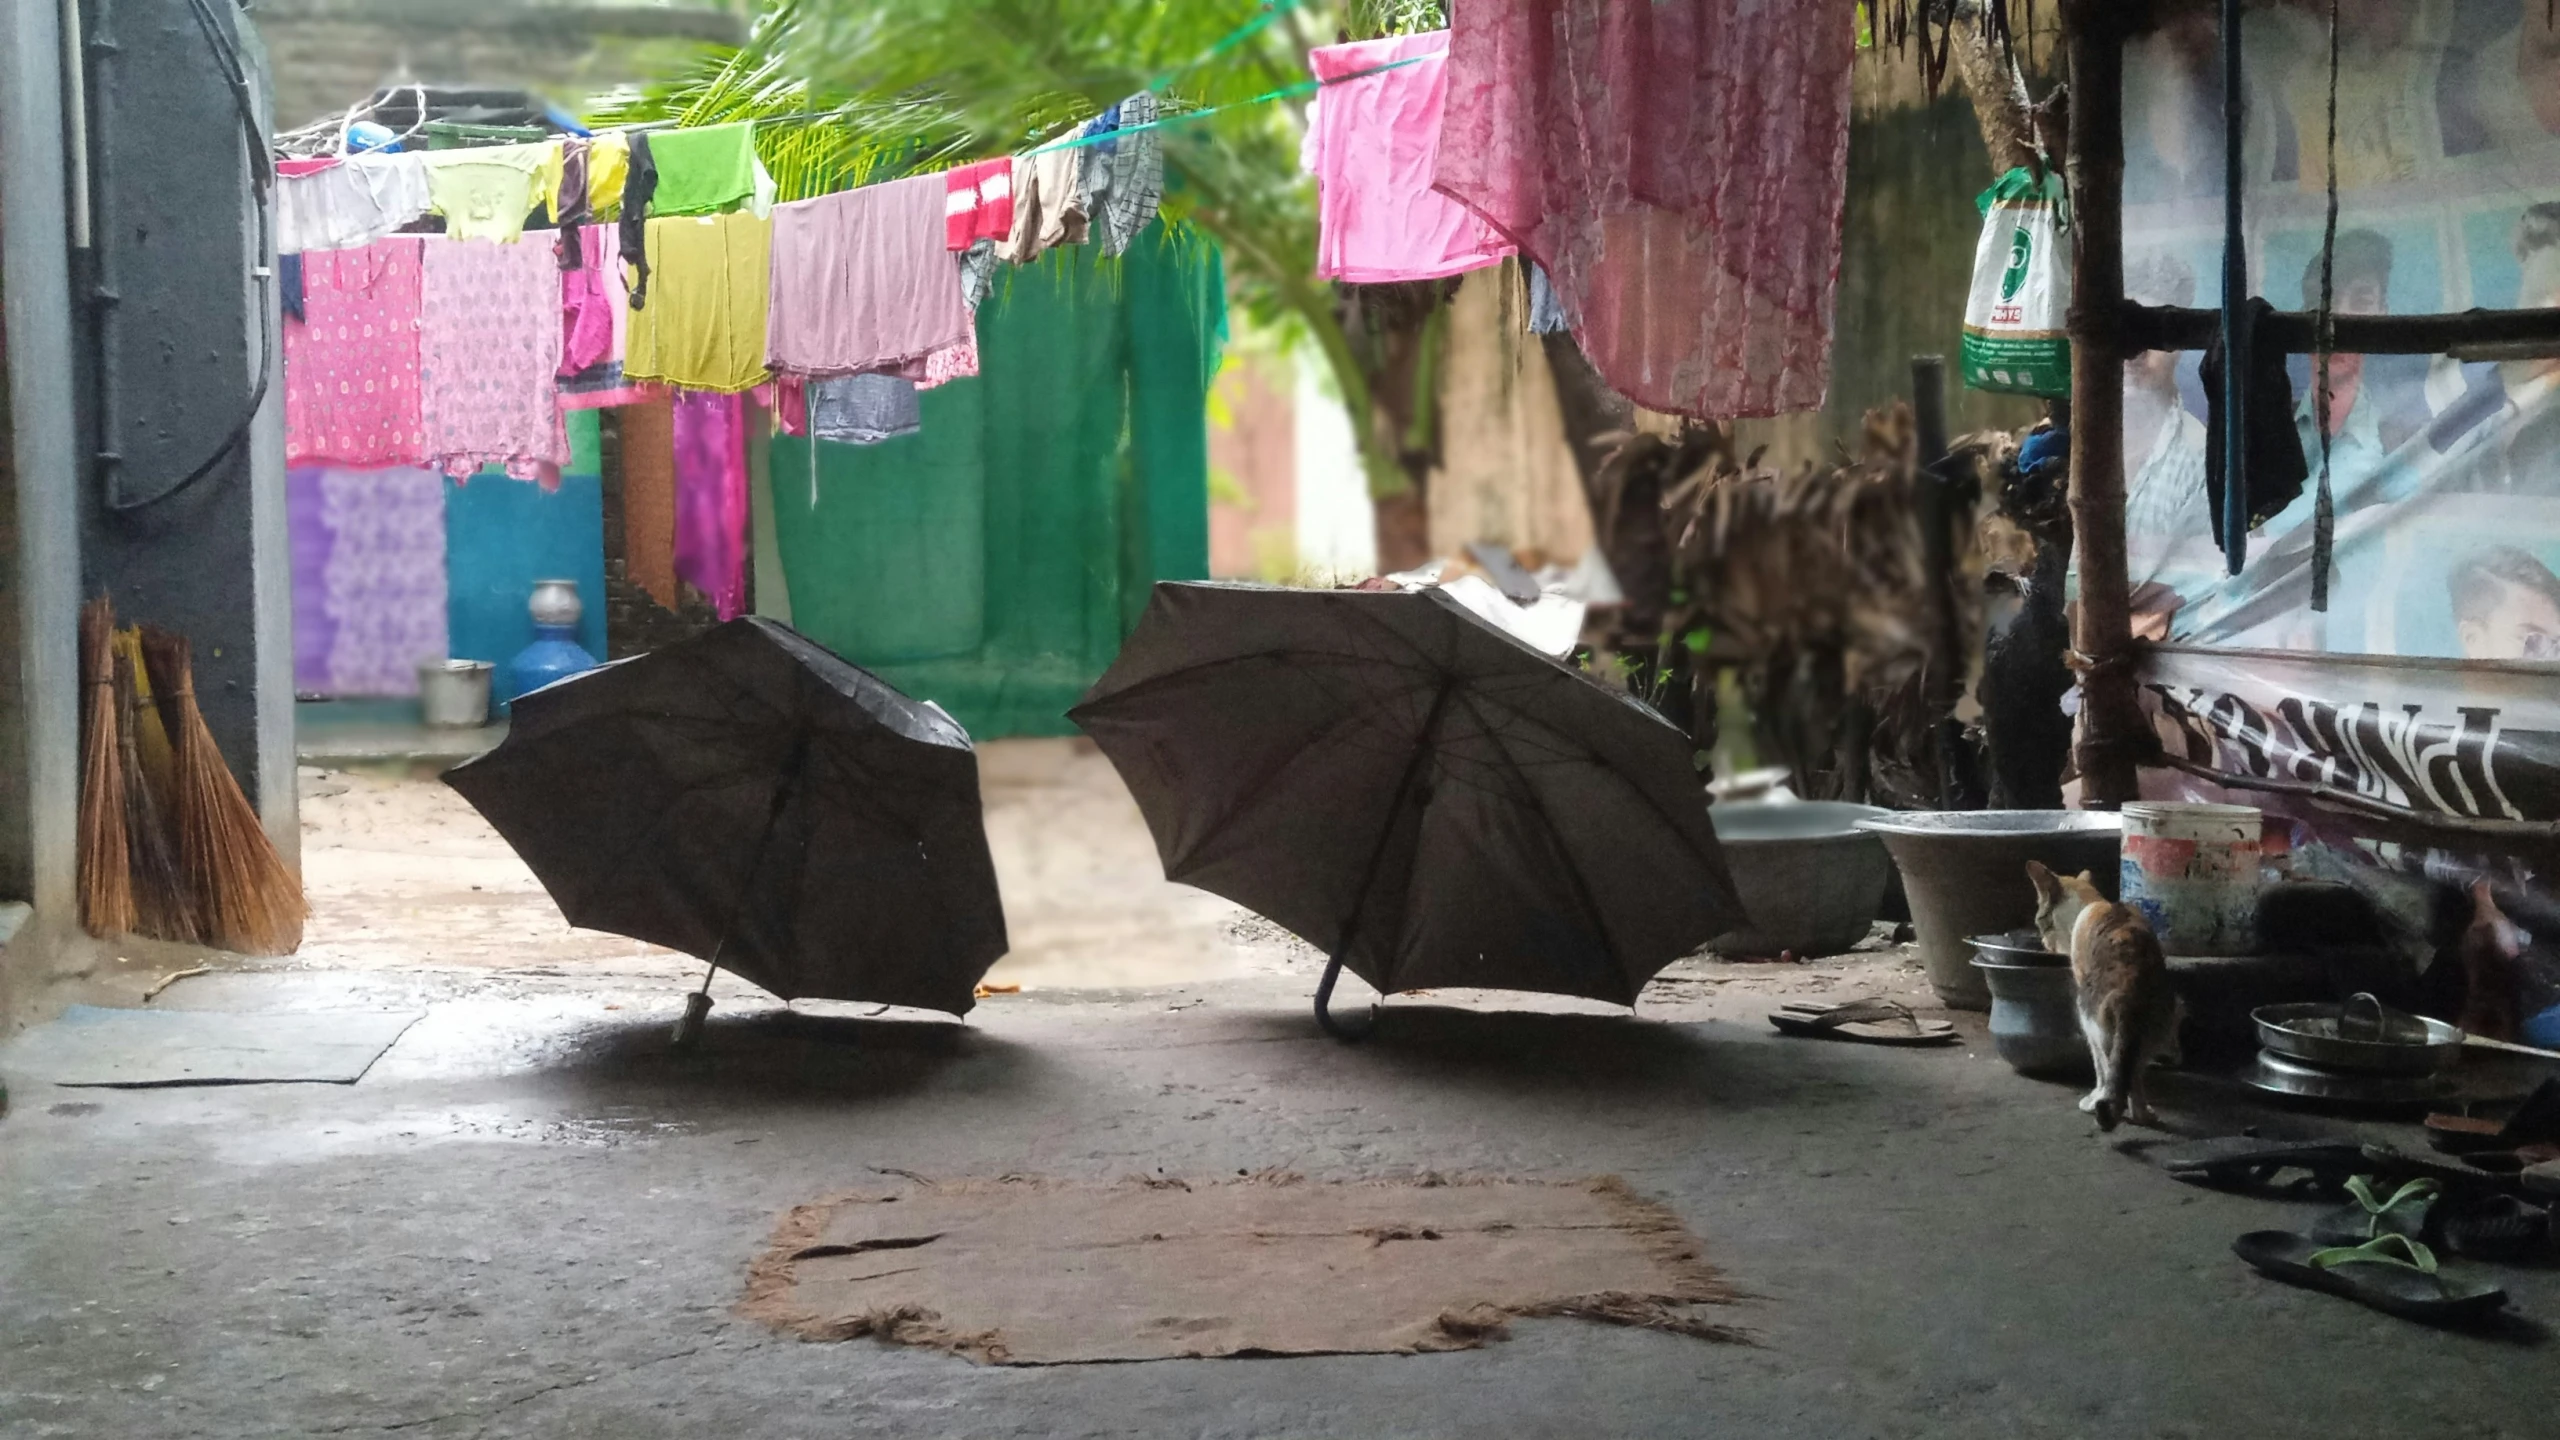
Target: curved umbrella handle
point(1325, 1020)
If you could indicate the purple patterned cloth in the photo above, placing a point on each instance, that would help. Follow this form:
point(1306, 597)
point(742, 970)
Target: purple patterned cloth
point(368, 578)
point(711, 497)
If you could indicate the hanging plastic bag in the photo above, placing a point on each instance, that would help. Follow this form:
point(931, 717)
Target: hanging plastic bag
point(2016, 336)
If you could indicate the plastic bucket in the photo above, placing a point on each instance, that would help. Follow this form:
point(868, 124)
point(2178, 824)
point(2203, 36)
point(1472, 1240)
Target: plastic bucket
point(2192, 870)
point(454, 694)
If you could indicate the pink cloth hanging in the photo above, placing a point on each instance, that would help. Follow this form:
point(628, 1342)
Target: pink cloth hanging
point(489, 358)
point(862, 280)
point(592, 298)
point(1678, 167)
point(351, 363)
point(711, 497)
point(1372, 144)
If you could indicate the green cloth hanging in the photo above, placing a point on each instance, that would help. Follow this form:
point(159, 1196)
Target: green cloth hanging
point(993, 561)
point(703, 171)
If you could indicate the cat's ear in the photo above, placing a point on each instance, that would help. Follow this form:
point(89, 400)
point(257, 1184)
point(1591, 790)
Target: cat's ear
point(2046, 886)
point(2087, 879)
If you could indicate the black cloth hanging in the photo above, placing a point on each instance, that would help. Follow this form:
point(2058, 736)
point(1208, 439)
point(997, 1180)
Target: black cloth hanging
point(2276, 467)
point(289, 284)
point(574, 210)
point(639, 187)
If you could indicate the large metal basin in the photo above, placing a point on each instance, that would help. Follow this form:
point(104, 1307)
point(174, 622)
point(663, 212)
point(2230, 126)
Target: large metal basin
point(1808, 877)
point(1966, 874)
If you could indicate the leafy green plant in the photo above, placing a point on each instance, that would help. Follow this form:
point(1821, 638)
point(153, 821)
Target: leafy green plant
point(905, 85)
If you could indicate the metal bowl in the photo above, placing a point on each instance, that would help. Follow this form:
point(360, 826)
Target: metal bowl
point(2014, 947)
point(2279, 1075)
point(2323, 1033)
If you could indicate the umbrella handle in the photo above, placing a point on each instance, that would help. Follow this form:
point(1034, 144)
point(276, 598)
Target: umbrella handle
point(1325, 1020)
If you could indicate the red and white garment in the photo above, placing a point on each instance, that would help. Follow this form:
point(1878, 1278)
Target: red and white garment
point(979, 203)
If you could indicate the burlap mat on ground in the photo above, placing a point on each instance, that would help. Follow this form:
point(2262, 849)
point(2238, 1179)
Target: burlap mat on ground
point(1027, 1271)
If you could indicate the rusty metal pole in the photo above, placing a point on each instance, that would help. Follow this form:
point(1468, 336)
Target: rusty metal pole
point(2112, 731)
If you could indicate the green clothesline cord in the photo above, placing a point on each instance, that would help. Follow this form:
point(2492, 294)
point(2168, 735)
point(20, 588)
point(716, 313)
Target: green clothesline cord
point(1272, 10)
point(1303, 87)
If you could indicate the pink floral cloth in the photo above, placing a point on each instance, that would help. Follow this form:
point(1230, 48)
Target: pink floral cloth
point(489, 358)
point(1678, 167)
point(1372, 145)
point(711, 497)
point(351, 384)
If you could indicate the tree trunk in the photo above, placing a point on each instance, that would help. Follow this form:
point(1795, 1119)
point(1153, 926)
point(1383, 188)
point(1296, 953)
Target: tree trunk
point(1627, 528)
point(1999, 94)
point(2112, 729)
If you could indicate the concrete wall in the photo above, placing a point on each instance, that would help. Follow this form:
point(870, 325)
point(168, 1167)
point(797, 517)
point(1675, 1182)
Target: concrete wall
point(1253, 469)
point(170, 370)
point(39, 574)
point(139, 323)
point(328, 54)
point(1506, 473)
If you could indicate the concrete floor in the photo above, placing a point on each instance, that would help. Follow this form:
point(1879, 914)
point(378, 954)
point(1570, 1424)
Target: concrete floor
point(532, 1220)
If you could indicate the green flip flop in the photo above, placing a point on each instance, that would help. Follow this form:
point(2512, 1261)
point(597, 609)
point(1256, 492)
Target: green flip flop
point(2406, 1283)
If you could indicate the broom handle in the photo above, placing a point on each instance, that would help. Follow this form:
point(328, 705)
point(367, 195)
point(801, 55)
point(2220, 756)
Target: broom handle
point(782, 794)
point(2509, 1046)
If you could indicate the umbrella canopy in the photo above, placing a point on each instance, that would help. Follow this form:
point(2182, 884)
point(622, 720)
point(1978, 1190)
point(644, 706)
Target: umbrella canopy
point(1427, 798)
point(749, 798)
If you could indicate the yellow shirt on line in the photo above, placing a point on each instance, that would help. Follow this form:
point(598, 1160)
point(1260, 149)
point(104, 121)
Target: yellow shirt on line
point(703, 324)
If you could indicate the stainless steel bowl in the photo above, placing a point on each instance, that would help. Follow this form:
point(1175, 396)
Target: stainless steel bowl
point(2279, 1075)
point(2361, 1036)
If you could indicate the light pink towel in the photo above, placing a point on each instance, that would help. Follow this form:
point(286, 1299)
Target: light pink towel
point(863, 280)
point(1678, 167)
point(351, 364)
point(1372, 144)
point(711, 497)
point(489, 358)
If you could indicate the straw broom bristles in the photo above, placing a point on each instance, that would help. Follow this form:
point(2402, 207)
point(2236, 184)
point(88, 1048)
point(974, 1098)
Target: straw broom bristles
point(161, 909)
point(245, 898)
point(106, 882)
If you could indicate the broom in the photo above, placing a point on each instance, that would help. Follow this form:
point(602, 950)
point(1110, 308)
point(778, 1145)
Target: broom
point(245, 898)
point(160, 906)
point(106, 885)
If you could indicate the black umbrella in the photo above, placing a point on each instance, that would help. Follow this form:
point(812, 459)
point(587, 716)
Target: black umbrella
point(1430, 800)
point(749, 798)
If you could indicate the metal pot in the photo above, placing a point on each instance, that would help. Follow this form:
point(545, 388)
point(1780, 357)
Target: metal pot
point(2035, 1019)
point(2278, 1075)
point(2362, 1036)
point(1966, 874)
point(1808, 878)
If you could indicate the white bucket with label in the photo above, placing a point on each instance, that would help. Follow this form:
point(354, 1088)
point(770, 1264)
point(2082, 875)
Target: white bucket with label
point(2192, 870)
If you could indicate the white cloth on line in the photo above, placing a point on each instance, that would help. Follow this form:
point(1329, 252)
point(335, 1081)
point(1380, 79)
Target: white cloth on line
point(352, 203)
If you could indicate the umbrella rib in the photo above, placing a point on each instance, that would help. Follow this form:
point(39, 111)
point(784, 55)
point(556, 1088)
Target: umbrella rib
point(1573, 872)
point(1614, 773)
point(1262, 784)
point(1193, 671)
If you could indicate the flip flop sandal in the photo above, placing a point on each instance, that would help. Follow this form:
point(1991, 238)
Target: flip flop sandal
point(2394, 1274)
point(2490, 1227)
point(2246, 1162)
point(2405, 1212)
point(2536, 1121)
point(2389, 1164)
point(1872, 1021)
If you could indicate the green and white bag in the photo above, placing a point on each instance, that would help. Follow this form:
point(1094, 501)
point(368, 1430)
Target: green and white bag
point(2015, 321)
